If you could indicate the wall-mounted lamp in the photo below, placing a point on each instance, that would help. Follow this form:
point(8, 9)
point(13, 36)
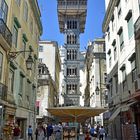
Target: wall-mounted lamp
point(97, 90)
point(29, 61)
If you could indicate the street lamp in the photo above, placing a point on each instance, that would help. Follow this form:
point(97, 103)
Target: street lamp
point(29, 61)
point(97, 90)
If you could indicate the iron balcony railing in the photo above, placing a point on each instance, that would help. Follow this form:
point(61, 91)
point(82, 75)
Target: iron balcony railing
point(3, 91)
point(5, 32)
point(72, 4)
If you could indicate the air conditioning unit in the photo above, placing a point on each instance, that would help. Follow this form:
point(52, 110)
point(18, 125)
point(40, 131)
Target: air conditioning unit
point(136, 84)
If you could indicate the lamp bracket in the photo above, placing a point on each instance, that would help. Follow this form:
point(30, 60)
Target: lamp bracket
point(13, 55)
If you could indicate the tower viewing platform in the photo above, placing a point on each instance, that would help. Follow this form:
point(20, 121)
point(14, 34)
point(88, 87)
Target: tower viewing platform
point(72, 8)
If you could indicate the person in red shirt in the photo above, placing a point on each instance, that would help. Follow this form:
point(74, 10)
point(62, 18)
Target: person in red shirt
point(16, 132)
point(87, 137)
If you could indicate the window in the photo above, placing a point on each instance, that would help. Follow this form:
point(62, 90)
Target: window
point(139, 5)
point(111, 87)
point(113, 24)
point(25, 11)
point(108, 30)
point(120, 33)
point(71, 72)
point(71, 24)
point(124, 81)
point(71, 88)
point(110, 58)
point(37, 107)
point(40, 48)
point(134, 73)
point(132, 60)
point(115, 50)
point(119, 9)
point(24, 43)
point(3, 10)
point(71, 54)
point(105, 77)
point(1, 63)
point(11, 81)
point(16, 26)
point(21, 84)
point(15, 35)
point(116, 83)
point(130, 24)
point(41, 70)
point(71, 39)
point(18, 2)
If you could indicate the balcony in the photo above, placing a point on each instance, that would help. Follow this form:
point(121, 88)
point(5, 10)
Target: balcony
point(5, 35)
point(137, 28)
point(43, 80)
point(72, 8)
point(3, 91)
point(72, 5)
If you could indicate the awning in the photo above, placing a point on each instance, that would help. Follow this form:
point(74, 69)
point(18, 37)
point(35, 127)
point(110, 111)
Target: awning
point(75, 114)
point(121, 108)
point(127, 106)
point(114, 115)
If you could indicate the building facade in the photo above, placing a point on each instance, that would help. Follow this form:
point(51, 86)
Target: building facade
point(71, 16)
point(19, 35)
point(95, 70)
point(118, 26)
point(48, 78)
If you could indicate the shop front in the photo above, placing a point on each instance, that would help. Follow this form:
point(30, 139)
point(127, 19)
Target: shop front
point(8, 122)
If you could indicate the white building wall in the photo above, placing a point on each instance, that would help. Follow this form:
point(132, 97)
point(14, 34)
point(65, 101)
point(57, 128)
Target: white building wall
point(43, 98)
point(48, 56)
point(62, 56)
point(129, 44)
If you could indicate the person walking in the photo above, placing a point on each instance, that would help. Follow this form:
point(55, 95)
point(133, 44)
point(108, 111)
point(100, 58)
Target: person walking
point(57, 131)
point(101, 133)
point(87, 137)
point(16, 132)
point(93, 133)
point(40, 133)
point(49, 131)
point(30, 133)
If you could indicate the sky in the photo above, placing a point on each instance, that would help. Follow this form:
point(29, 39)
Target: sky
point(93, 26)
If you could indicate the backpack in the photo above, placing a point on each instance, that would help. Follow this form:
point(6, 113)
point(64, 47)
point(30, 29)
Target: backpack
point(92, 131)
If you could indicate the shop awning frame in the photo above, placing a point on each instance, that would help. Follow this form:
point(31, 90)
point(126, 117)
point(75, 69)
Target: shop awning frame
point(75, 114)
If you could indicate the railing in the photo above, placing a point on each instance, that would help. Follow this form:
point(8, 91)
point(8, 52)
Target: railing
point(72, 4)
point(41, 76)
point(3, 91)
point(5, 32)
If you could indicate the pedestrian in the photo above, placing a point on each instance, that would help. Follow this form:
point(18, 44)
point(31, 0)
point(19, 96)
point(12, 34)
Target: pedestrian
point(30, 133)
point(101, 133)
point(49, 131)
point(87, 137)
point(57, 131)
point(16, 132)
point(93, 133)
point(40, 133)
